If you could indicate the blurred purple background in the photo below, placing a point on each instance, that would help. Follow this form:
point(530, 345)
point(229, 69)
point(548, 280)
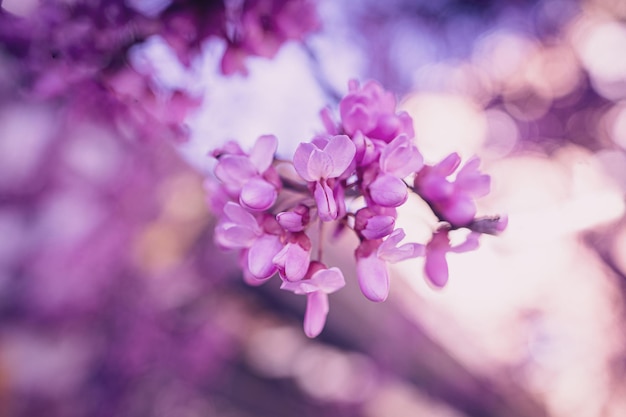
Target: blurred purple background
point(114, 301)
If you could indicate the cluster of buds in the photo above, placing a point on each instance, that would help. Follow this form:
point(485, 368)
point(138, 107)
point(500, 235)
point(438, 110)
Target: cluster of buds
point(352, 177)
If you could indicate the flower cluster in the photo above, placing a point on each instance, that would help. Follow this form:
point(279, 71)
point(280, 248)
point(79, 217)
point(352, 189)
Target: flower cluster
point(82, 46)
point(354, 177)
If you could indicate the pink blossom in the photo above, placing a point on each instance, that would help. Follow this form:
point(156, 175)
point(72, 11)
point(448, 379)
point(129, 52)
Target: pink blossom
point(372, 110)
point(294, 220)
point(293, 259)
point(371, 266)
point(261, 254)
point(317, 284)
point(452, 201)
point(397, 160)
point(401, 157)
point(238, 228)
point(388, 190)
point(260, 27)
point(321, 161)
point(436, 266)
point(251, 178)
point(374, 226)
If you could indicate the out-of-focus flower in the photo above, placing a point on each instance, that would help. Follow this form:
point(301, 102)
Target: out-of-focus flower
point(371, 262)
point(436, 266)
point(317, 284)
point(260, 27)
point(453, 201)
point(372, 111)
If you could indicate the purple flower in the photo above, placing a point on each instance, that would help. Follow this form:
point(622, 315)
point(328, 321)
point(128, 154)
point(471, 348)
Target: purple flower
point(317, 284)
point(372, 110)
point(260, 256)
point(436, 266)
point(374, 226)
point(321, 161)
point(388, 190)
point(260, 27)
point(452, 201)
point(398, 159)
point(371, 266)
point(251, 178)
point(294, 220)
point(240, 229)
point(293, 259)
point(401, 157)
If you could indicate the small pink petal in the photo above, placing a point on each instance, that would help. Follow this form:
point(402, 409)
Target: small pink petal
point(301, 158)
point(320, 164)
point(234, 170)
point(341, 150)
point(388, 191)
point(233, 236)
point(233, 61)
point(448, 165)
point(328, 121)
point(258, 195)
point(237, 214)
point(262, 154)
point(459, 210)
point(325, 200)
point(391, 252)
point(290, 221)
point(304, 286)
point(373, 277)
point(248, 278)
point(471, 243)
point(471, 181)
point(378, 227)
point(316, 311)
point(292, 261)
point(401, 157)
point(328, 280)
point(436, 268)
point(261, 254)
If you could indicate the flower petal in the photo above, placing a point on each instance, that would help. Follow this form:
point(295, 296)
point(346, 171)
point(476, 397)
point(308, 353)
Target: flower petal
point(401, 157)
point(388, 191)
point(301, 160)
point(262, 154)
point(261, 254)
point(320, 164)
point(258, 195)
point(436, 268)
point(291, 221)
point(378, 227)
point(325, 200)
point(373, 277)
point(233, 236)
point(234, 170)
point(328, 280)
point(316, 312)
point(341, 151)
point(238, 215)
point(292, 261)
point(391, 252)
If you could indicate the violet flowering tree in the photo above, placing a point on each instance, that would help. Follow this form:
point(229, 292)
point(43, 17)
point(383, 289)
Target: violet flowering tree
point(352, 177)
point(68, 47)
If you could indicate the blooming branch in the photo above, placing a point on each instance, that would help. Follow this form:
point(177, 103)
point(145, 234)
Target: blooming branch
point(366, 159)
